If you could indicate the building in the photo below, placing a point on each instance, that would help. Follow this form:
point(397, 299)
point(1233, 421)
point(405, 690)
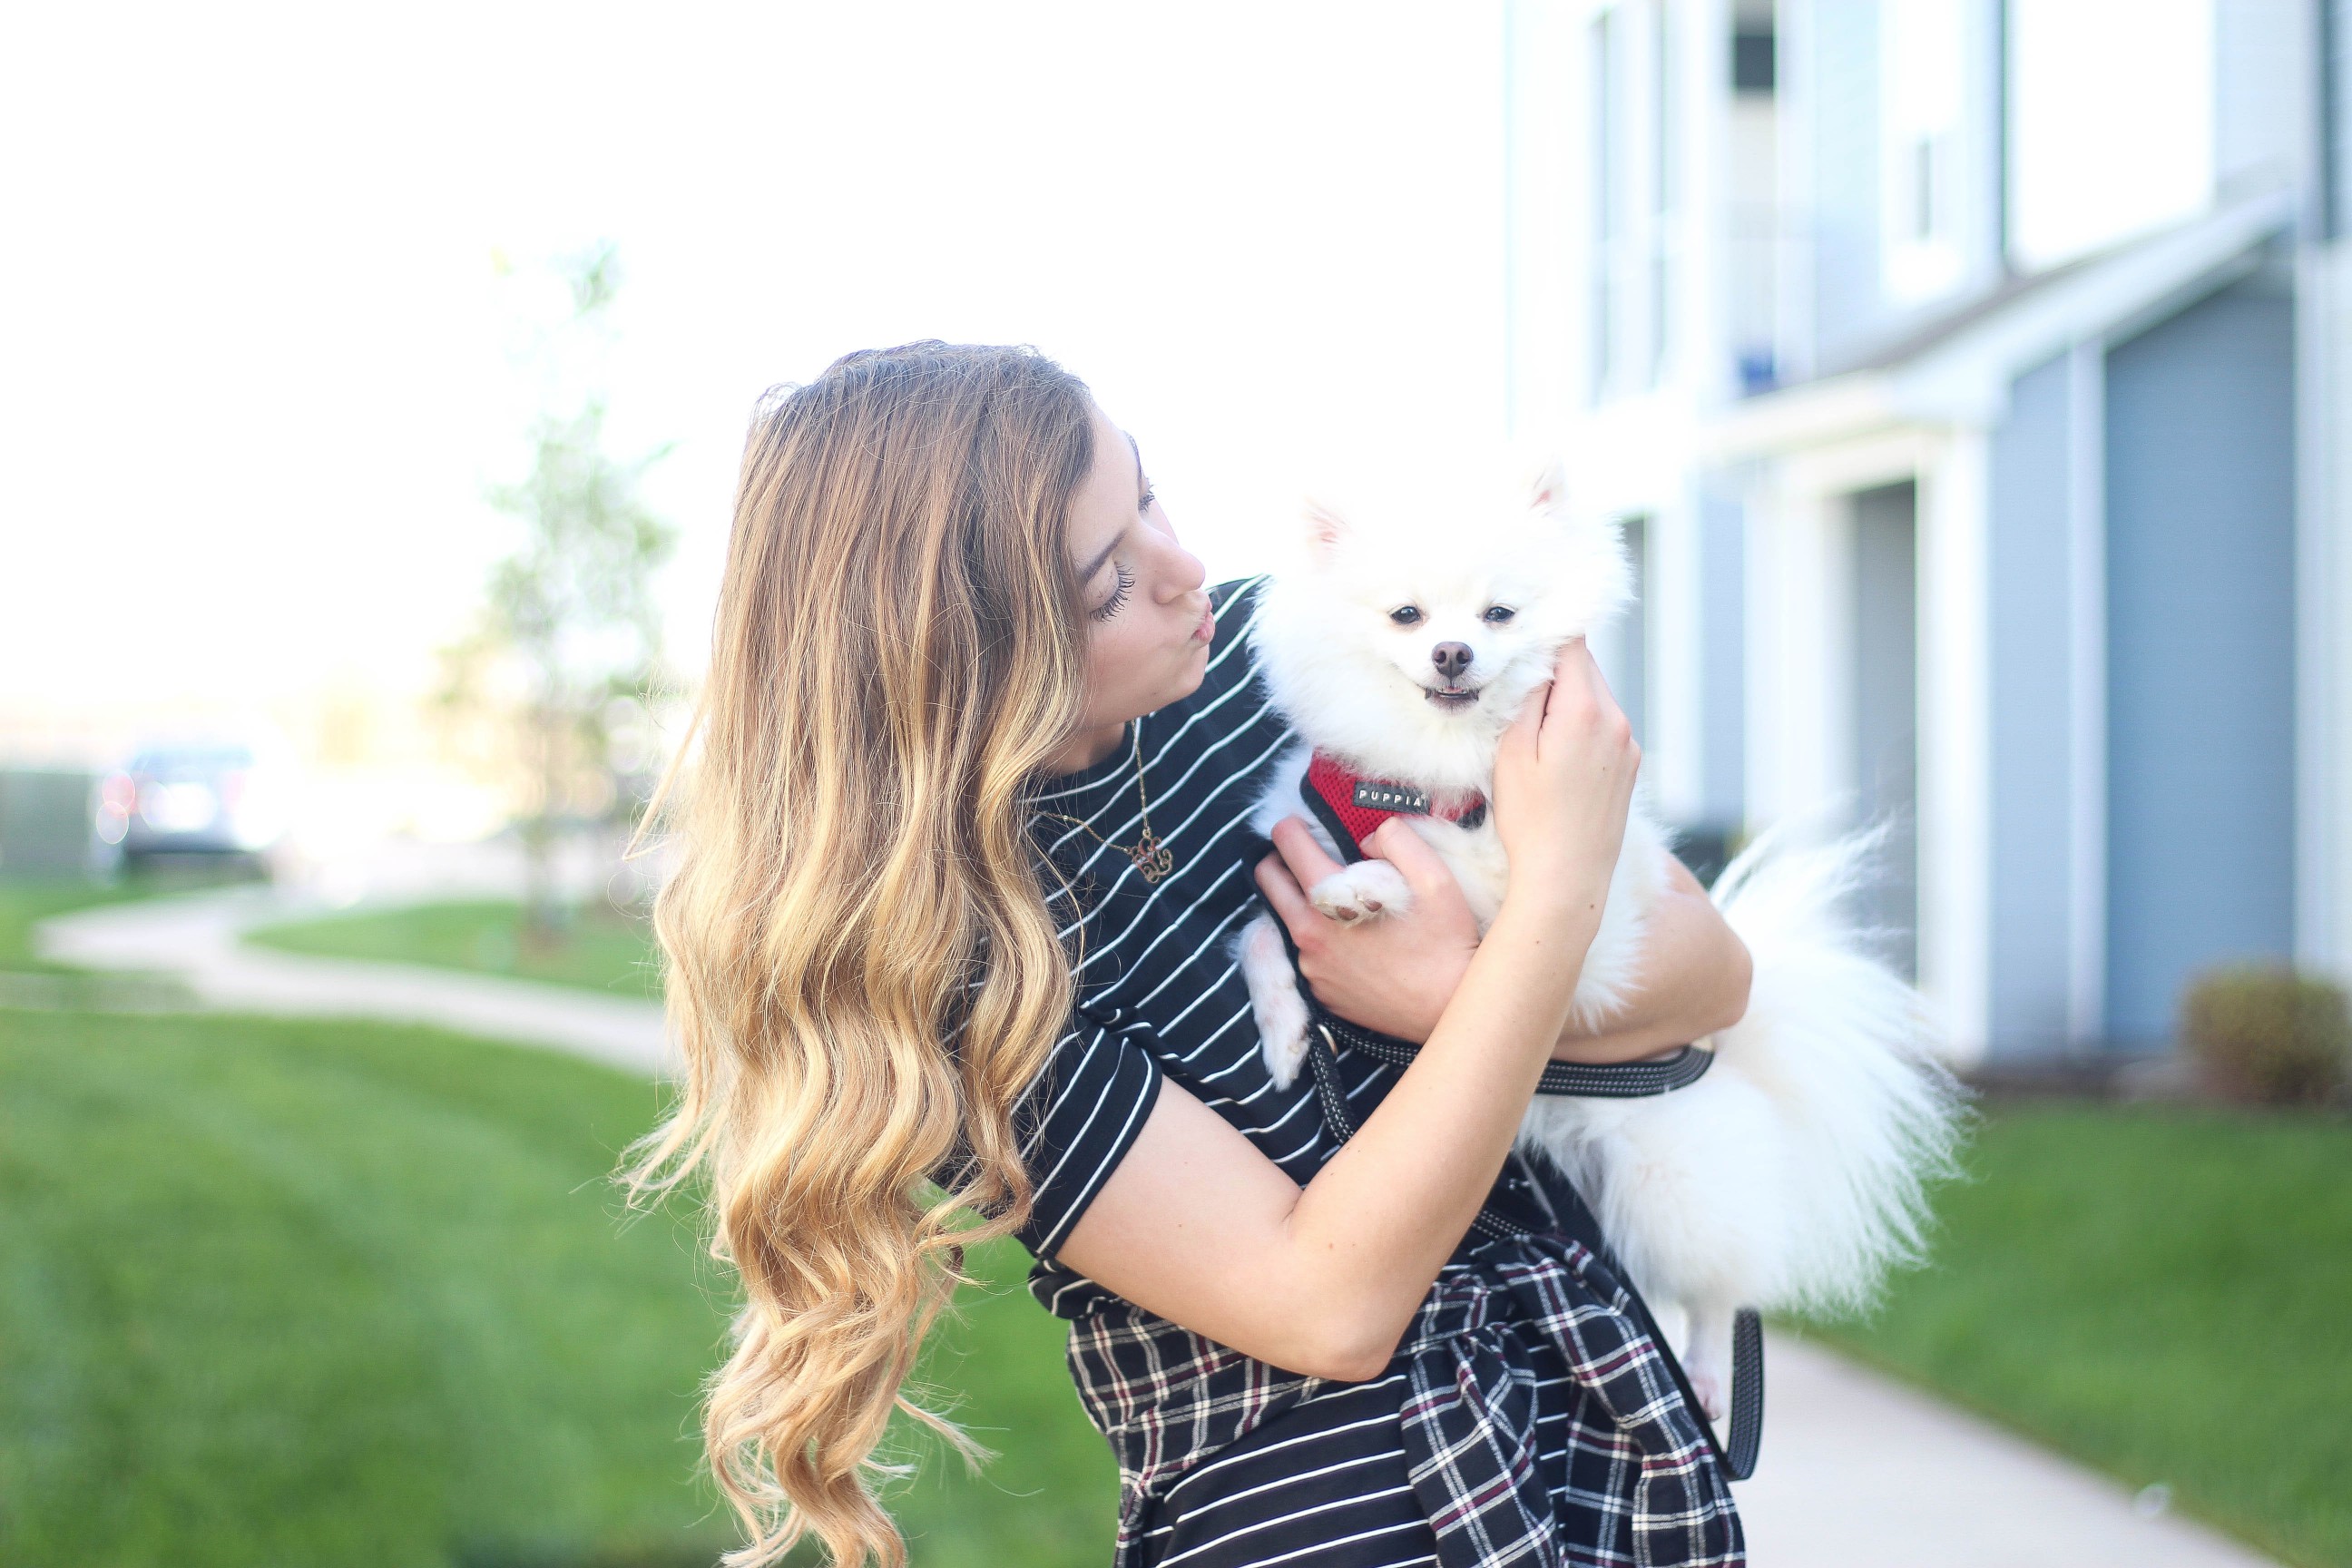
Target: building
point(1971, 378)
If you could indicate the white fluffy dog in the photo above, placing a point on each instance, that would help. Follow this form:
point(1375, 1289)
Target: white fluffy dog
point(1791, 1173)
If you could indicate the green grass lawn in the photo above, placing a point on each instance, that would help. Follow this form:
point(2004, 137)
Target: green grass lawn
point(2166, 1292)
point(277, 1292)
point(603, 950)
point(472, 1355)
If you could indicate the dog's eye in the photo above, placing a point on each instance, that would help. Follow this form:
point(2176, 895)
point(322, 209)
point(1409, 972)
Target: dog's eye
point(1405, 615)
point(1498, 614)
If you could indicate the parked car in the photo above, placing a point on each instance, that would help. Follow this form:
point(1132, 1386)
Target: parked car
point(220, 798)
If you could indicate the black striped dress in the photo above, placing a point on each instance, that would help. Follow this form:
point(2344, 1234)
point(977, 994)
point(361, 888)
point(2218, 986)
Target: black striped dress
point(1530, 1392)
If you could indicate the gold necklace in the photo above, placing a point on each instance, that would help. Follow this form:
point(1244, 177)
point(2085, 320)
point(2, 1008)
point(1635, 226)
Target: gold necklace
point(1149, 856)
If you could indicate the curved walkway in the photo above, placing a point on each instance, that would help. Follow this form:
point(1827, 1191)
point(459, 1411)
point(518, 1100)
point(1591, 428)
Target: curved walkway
point(197, 938)
point(1858, 1471)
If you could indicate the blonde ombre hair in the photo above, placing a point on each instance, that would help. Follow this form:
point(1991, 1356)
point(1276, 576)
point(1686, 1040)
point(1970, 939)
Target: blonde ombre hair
point(862, 972)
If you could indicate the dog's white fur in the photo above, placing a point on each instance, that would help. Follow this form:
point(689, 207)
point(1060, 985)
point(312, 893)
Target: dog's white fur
point(1792, 1173)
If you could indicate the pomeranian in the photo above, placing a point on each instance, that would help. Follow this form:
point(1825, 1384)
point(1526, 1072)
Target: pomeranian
point(1792, 1173)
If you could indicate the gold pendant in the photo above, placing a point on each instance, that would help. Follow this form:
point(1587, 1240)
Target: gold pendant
point(1152, 858)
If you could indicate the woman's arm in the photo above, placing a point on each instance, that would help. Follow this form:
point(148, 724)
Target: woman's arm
point(1199, 1227)
point(1393, 974)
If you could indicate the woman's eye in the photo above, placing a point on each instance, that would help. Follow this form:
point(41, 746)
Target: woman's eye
point(1405, 615)
point(1110, 607)
point(1498, 614)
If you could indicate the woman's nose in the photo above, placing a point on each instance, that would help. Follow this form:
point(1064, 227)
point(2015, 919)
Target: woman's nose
point(1185, 573)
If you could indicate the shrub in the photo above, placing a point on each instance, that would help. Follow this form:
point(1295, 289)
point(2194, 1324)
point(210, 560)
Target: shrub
point(2267, 1036)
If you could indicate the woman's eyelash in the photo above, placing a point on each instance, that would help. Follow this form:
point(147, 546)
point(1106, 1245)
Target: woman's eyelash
point(1110, 607)
point(1150, 496)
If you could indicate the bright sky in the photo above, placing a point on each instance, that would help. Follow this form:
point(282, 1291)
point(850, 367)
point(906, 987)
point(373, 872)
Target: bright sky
point(254, 367)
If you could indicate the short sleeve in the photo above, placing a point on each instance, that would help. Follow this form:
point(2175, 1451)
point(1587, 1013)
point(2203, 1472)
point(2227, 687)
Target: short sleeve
point(1078, 1120)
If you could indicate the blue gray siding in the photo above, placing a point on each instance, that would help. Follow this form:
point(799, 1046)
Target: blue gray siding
point(1885, 720)
point(2200, 646)
point(1723, 669)
point(2335, 107)
point(2031, 763)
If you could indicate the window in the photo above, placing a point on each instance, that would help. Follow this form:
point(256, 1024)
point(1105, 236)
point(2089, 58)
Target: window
point(1662, 184)
point(1623, 651)
point(1607, 154)
point(1926, 50)
point(1923, 189)
point(1633, 196)
point(1752, 183)
point(1754, 59)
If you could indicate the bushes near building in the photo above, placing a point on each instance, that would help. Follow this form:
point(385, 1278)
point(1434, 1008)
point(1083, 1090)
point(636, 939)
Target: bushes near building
point(2265, 1036)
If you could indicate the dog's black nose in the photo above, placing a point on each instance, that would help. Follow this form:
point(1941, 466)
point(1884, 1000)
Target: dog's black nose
point(1451, 658)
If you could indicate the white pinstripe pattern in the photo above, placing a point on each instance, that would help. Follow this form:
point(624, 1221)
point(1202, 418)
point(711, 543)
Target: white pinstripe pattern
point(1329, 1480)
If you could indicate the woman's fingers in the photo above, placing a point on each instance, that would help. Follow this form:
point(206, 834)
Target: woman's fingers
point(1410, 853)
point(1288, 899)
point(1563, 776)
point(1301, 853)
point(1579, 693)
point(1518, 742)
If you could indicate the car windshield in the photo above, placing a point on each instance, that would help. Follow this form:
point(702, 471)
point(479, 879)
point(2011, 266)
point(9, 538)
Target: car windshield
point(192, 762)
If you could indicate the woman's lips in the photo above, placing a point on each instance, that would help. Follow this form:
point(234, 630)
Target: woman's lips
point(1206, 632)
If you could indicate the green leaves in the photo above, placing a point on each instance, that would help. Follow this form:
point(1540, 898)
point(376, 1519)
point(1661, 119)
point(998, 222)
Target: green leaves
point(565, 660)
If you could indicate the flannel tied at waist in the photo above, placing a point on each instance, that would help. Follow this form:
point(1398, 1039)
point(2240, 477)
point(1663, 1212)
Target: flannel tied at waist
point(1643, 1486)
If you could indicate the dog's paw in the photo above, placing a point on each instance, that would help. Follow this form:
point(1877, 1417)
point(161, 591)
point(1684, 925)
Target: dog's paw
point(1703, 1363)
point(1282, 1034)
point(1275, 1001)
point(1709, 1389)
point(1366, 889)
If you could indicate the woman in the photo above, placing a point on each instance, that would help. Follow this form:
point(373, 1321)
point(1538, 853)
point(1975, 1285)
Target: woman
point(961, 856)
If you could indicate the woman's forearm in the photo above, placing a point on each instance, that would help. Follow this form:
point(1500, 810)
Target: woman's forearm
point(1374, 1242)
point(1693, 979)
point(1198, 1225)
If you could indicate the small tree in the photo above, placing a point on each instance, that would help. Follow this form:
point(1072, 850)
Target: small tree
point(567, 654)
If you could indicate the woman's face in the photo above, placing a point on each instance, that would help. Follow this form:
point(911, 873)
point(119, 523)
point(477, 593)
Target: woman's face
point(1147, 621)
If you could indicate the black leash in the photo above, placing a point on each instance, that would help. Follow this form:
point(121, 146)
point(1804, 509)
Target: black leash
point(1737, 1451)
point(1581, 1081)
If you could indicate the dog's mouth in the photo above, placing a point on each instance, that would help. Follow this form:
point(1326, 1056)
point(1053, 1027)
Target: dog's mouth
point(1451, 696)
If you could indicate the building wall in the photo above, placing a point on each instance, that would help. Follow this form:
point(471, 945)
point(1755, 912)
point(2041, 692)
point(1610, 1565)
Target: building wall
point(2324, 570)
point(2262, 91)
point(1885, 724)
point(2032, 593)
point(2106, 606)
point(2335, 135)
point(1723, 667)
point(2200, 538)
point(1837, 88)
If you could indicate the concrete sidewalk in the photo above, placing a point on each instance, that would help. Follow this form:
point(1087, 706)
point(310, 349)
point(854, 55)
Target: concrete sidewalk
point(196, 940)
point(1860, 1470)
point(1857, 1471)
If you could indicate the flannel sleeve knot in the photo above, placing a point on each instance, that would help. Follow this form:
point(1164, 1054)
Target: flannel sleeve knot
point(1644, 1487)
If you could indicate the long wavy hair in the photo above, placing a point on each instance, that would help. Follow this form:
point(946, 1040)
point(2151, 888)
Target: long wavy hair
point(862, 972)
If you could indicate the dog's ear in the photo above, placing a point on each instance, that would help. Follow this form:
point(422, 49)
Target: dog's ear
point(1325, 528)
point(1548, 491)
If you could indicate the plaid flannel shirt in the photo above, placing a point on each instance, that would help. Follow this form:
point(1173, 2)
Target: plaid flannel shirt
point(1644, 1487)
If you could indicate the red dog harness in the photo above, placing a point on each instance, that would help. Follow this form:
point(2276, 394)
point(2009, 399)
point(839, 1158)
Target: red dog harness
point(1350, 805)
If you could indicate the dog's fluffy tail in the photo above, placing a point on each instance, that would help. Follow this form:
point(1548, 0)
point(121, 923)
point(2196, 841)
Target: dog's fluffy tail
point(1848, 1055)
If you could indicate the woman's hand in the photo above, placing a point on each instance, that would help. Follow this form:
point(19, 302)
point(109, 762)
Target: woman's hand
point(1564, 782)
point(1393, 973)
point(1198, 1225)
